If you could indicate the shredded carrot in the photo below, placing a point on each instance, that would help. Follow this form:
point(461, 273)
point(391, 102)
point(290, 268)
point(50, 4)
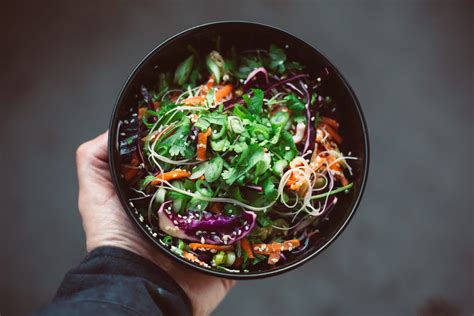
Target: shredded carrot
point(215, 207)
point(223, 92)
point(293, 182)
point(273, 257)
point(329, 121)
point(193, 258)
point(198, 100)
point(195, 246)
point(209, 84)
point(334, 135)
point(171, 175)
point(247, 247)
point(343, 180)
point(141, 111)
point(130, 171)
point(339, 172)
point(266, 249)
point(202, 144)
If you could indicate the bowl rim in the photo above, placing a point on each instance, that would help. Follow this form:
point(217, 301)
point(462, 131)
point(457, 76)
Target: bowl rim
point(228, 275)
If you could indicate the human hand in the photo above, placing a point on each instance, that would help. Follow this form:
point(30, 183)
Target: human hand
point(106, 224)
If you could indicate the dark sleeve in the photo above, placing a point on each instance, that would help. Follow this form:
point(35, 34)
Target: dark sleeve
point(113, 281)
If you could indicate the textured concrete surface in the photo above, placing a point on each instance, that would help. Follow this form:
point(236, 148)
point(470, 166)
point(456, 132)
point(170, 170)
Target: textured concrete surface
point(410, 244)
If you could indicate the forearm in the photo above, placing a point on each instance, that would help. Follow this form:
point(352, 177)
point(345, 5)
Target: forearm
point(118, 282)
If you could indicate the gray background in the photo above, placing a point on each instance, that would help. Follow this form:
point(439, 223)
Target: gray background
point(410, 244)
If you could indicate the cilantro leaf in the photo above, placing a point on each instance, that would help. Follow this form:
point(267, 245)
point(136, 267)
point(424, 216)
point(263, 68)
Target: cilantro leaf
point(297, 107)
point(206, 119)
point(285, 148)
point(248, 159)
point(177, 142)
point(263, 219)
point(277, 59)
point(263, 164)
point(214, 169)
point(229, 173)
point(142, 183)
point(255, 102)
point(247, 65)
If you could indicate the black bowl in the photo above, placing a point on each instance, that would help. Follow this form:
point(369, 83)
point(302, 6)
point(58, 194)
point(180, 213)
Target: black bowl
point(245, 36)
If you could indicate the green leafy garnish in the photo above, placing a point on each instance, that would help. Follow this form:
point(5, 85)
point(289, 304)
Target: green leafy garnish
point(254, 102)
point(184, 70)
point(277, 59)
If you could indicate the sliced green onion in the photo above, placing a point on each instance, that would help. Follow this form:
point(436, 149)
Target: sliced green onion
point(260, 131)
point(203, 188)
point(160, 195)
point(279, 166)
point(280, 119)
point(219, 258)
point(341, 189)
point(199, 170)
point(219, 134)
point(214, 169)
point(167, 240)
point(178, 204)
point(263, 165)
point(235, 124)
point(146, 117)
point(229, 258)
point(220, 145)
point(320, 182)
point(176, 250)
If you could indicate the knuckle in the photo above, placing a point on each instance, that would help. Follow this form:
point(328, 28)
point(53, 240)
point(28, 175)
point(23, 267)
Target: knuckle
point(82, 151)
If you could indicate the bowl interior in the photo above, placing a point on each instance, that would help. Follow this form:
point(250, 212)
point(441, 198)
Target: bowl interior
point(244, 36)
